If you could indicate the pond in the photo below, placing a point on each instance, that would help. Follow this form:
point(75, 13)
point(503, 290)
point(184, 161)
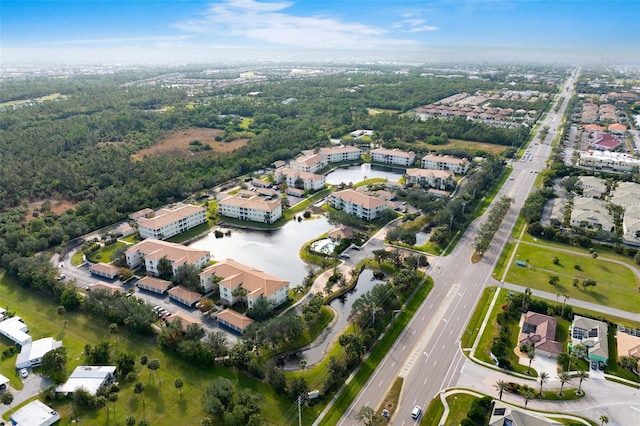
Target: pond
point(421, 238)
point(355, 174)
point(342, 307)
point(274, 252)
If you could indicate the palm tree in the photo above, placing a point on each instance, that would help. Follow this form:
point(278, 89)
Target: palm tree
point(138, 389)
point(153, 365)
point(528, 396)
point(61, 310)
point(131, 421)
point(563, 358)
point(165, 268)
point(604, 420)
point(531, 354)
point(113, 397)
point(501, 385)
point(113, 329)
point(527, 293)
point(582, 375)
point(566, 297)
point(544, 378)
point(239, 293)
point(564, 378)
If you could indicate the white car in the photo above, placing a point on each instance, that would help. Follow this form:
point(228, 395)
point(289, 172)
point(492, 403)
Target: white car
point(24, 373)
point(417, 411)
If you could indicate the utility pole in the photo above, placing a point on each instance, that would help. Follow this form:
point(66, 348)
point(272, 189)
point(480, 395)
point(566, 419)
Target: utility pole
point(299, 410)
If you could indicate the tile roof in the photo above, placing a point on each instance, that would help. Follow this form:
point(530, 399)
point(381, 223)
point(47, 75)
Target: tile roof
point(185, 318)
point(176, 253)
point(105, 268)
point(234, 318)
point(165, 216)
point(183, 293)
point(540, 331)
point(395, 152)
point(426, 173)
point(155, 283)
point(357, 198)
point(255, 281)
point(254, 202)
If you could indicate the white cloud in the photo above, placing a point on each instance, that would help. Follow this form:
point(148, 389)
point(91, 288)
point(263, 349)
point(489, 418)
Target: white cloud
point(117, 40)
point(269, 23)
point(413, 25)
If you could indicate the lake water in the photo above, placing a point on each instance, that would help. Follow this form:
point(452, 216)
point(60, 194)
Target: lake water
point(274, 252)
point(355, 174)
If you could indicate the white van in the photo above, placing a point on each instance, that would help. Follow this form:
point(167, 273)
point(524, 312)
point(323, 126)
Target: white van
point(417, 411)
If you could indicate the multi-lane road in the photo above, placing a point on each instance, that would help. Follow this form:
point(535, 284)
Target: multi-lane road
point(427, 354)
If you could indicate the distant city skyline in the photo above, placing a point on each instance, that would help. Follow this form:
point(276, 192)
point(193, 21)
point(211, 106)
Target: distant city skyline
point(106, 30)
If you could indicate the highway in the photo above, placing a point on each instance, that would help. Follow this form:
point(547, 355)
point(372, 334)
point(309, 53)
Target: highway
point(427, 354)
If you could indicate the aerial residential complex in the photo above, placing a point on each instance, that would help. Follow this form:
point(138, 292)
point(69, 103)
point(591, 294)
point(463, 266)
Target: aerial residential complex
point(438, 179)
point(300, 179)
point(459, 166)
point(393, 156)
point(150, 252)
point(256, 283)
point(358, 204)
point(309, 163)
point(170, 221)
point(341, 153)
point(246, 205)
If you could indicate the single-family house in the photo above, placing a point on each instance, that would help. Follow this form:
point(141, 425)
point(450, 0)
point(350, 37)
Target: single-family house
point(232, 274)
point(183, 295)
point(35, 413)
point(459, 166)
point(340, 233)
point(251, 207)
point(509, 415)
point(170, 221)
point(358, 204)
point(15, 330)
point(539, 331)
point(438, 179)
point(234, 320)
point(88, 377)
point(393, 156)
point(105, 270)
point(591, 334)
point(153, 284)
point(628, 345)
point(149, 252)
point(31, 353)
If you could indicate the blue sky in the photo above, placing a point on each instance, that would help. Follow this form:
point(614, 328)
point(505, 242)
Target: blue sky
point(320, 24)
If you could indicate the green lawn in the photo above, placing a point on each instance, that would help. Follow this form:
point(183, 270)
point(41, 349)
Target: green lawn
point(104, 254)
point(163, 403)
point(617, 284)
point(77, 258)
point(459, 404)
point(433, 413)
point(473, 326)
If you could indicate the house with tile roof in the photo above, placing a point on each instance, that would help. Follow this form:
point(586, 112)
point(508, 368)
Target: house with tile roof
point(148, 253)
point(539, 331)
point(185, 320)
point(341, 153)
point(591, 334)
point(109, 288)
point(617, 128)
point(393, 156)
point(170, 221)
point(105, 270)
point(251, 207)
point(155, 285)
point(232, 275)
point(459, 166)
point(591, 213)
point(234, 320)
point(606, 142)
point(428, 178)
point(358, 204)
point(628, 345)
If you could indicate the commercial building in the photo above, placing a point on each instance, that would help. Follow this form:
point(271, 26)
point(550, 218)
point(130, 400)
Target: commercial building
point(358, 204)
point(246, 205)
point(393, 156)
point(459, 166)
point(609, 161)
point(256, 283)
point(170, 221)
point(428, 178)
point(151, 251)
point(88, 377)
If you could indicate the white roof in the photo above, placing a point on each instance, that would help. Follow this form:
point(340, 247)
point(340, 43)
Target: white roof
point(88, 377)
point(36, 350)
point(3, 379)
point(14, 329)
point(35, 413)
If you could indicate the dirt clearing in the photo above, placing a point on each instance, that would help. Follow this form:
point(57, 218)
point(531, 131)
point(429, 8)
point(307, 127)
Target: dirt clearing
point(178, 144)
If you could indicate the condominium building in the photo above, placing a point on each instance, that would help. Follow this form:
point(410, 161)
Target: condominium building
point(337, 154)
point(170, 221)
point(393, 156)
point(438, 179)
point(457, 165)
point(309, 163)
point(148, 253)
point(358, 204)
point(300, 179)
point(249, 206)
point(614, 161)
point(590, 212)
point(255, 282)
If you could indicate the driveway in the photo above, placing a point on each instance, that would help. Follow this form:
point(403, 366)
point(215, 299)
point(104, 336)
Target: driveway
point(32, 387)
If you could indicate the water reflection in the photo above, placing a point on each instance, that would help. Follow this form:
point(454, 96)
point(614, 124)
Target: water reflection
point(355, 174)
point(274, 252)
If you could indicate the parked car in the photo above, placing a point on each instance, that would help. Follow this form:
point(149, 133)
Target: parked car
point(344, 256)
point(594, 365)
point(601, 365)
point(24, 373)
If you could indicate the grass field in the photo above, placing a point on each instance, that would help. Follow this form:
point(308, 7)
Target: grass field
point(163, 403)
point(617, 284)
point(473, 326)
point(459, 404)
point(433, 413)
point(476, 146)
